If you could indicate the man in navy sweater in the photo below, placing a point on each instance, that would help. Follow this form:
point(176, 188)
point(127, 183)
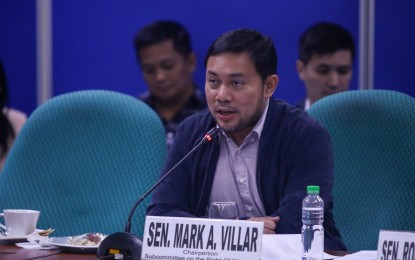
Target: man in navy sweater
point(267, 151)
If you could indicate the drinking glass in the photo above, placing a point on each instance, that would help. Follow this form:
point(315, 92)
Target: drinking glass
point(223, 210)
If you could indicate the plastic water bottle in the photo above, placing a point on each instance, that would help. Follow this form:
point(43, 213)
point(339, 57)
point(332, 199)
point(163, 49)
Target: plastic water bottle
point(312, 232)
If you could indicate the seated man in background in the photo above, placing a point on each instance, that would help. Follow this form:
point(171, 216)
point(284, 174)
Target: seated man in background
point(266, 153)
point(11, 120)
point(326, 54)
point(167, 63)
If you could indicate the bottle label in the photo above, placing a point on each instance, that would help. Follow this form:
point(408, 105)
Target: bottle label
point(313, 216)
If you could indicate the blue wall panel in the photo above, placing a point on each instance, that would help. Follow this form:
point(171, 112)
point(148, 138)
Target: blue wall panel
point(93, 39)
point(18, 51)
point(93, 49)
point(395, 45)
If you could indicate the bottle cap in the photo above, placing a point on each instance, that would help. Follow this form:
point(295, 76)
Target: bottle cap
point(313, 189)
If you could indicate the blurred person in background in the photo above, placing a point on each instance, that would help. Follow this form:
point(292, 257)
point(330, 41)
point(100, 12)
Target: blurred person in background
point(167, 62)
point(11, 120)
point(325, 58)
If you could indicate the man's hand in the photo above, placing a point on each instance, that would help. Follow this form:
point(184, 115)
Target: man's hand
point(270, 223)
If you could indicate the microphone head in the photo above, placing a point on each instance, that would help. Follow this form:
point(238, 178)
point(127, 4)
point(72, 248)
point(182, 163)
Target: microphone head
point(209, 136)
point(120, 243)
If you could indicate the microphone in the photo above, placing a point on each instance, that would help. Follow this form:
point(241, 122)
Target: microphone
point(124, 245)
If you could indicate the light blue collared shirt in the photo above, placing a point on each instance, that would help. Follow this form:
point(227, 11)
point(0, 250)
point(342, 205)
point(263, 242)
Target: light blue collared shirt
point(235, 176)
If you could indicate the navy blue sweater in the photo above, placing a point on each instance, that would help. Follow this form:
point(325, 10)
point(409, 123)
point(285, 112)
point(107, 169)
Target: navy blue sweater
point(294, 151)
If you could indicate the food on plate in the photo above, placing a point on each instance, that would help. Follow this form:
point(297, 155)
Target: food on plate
point(88, 239)
point(45, 232)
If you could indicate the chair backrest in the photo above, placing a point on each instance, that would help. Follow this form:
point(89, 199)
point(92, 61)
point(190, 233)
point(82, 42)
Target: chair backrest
point(83, 159)
point(373, 134)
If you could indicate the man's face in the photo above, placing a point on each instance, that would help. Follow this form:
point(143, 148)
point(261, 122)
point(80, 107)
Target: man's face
point(236, 94)
point(326, 74)
point(167, 73)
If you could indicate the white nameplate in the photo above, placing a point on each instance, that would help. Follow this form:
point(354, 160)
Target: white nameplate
point(396, 245)
point(201, 239)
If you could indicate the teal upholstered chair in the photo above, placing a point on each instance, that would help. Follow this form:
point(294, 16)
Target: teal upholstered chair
point(373, 134)
point(83, 159)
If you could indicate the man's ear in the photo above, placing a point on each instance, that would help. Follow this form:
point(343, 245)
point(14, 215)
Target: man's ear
point(300, 69)
point(271, 84)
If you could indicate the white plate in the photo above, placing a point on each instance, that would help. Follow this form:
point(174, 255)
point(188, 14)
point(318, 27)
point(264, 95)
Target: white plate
point(8, 240)
point(62, 242)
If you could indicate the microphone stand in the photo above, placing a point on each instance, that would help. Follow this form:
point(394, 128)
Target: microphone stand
point(124, 245)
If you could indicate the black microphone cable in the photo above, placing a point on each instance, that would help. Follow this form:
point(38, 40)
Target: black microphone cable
point(124, 245)
point(207, 138)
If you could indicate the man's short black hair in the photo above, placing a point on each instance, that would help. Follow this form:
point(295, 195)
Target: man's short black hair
point(163, 30)
point(259, 47)
point(324, 38)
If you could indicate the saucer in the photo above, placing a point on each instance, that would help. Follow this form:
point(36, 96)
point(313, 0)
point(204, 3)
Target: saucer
point(9, 239)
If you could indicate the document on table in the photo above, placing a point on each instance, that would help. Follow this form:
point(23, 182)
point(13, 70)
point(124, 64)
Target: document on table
point(361, 255)
point(283, 246)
